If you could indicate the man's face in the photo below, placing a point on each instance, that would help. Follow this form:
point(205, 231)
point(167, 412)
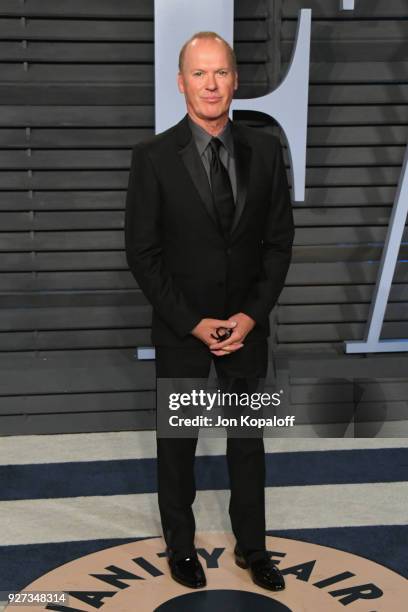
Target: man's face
point(208, 80)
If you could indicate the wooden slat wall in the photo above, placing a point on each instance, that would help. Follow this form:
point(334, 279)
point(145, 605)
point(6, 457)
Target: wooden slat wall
point(77, 92)
point(357, 134)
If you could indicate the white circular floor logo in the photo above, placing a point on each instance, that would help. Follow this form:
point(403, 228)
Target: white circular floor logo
point(135, 576)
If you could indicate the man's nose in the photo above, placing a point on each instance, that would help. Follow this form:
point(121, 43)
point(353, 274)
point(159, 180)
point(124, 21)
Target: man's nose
point(211, 82)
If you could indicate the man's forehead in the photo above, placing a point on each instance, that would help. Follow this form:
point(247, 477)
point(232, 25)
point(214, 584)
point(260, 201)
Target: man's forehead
point(205, 46)
point(198, 52)
point(197, 41)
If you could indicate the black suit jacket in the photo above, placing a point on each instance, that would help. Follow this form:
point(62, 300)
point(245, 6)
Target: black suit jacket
point(175, 249)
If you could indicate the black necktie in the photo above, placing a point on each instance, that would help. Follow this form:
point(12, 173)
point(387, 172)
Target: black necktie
point(221, 188)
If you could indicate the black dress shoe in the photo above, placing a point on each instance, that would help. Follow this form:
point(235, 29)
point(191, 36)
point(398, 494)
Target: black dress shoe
point(188, 571)
point(263, 572)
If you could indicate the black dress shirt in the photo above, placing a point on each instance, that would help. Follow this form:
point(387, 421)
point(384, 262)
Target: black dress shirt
point(202, 139)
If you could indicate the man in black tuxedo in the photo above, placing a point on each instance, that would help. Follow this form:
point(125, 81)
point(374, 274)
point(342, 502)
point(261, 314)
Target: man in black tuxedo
point(209, 232)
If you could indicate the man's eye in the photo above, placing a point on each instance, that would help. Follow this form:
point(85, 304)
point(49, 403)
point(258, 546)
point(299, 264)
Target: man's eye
point(198, 73)
point(222, 72)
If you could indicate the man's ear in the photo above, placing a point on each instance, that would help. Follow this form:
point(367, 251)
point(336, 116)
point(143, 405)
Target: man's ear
point(180, 82)
point(236, 81)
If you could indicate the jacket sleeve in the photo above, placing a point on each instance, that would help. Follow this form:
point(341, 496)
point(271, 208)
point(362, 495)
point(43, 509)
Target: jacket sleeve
point(143, 246)
point(276, 246)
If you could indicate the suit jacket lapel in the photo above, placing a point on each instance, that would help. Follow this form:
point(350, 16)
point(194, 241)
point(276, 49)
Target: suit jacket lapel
point(194, 166)
point(243, 154)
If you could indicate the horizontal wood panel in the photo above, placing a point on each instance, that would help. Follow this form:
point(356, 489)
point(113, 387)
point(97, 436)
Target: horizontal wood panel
point(114, 239)
point(81, 260)
point(116, 260)
point(358, 367)
point(51, 376)
point(332, 332)
point(353, 29)
point(67, 281)
point(98, 93)
point(341, 196)
point(357, 115)
point(299, 274)
point(329, 413)
point(62, 200)
point(394, 391)
point(20, 221)
point(64, 180)
point(87, 240)
point(348, 176)
point(345, 235)
point(72, 116)
point(383, 135)
point(97, 159)
point(366, 418)
point(83, 359)
point(120, 138)
point(106, 53)
point(333, 50)
point(359, 72)
point(62, 299)
point(364, 195)
point(294, 349)
point(82, 93)
point(354, 156)
point(66, 138)
point(98, 52)
point(337, 294)
point(75, 339)
point(77, 29)
point(369, 215)
point(327, 273)
point(55, 73)
point(75, 318)
point(108, 29)
point(329, 313)
point(143, 116)
point(329, 294)
point(354, 93)
point(87, 72)
point(74, 422)
point(331, 8)
point(313, 217)
point(354, 252)
point(111, 179)
point(84, 402)
point(77, 328)
point(142, 9)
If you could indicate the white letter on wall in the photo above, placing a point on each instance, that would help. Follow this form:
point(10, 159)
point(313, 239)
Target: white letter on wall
point(287, 104)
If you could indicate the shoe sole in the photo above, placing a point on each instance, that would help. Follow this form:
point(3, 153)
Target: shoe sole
point(241, 563)
point(244, 565)
point(186, 584)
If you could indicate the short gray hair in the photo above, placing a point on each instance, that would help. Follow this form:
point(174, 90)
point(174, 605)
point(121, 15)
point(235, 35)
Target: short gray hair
point(208, 35)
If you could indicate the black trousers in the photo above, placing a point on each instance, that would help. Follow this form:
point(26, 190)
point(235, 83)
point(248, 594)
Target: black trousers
point(245, 456)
